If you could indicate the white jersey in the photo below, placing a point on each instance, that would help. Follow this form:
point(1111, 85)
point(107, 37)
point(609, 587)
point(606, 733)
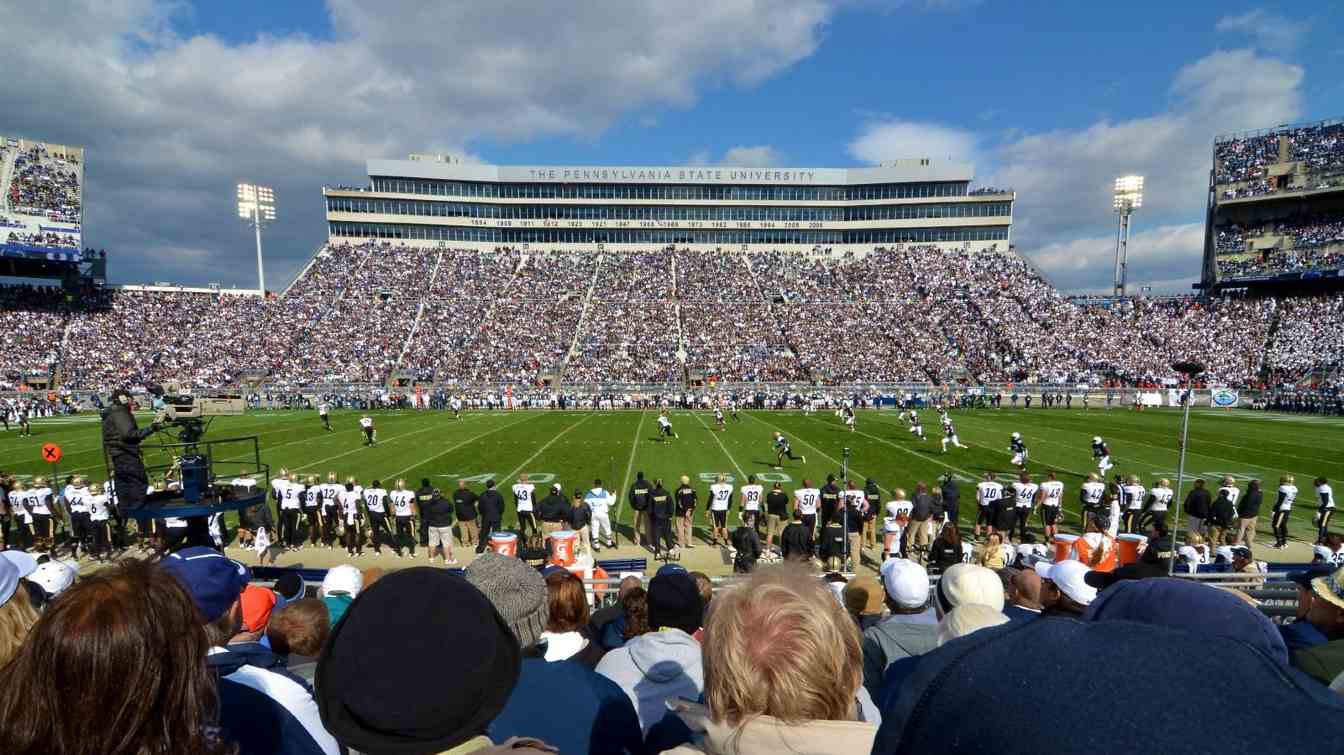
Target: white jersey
point(598, 499)
point(1161, 498)
point(1289, 494)
point(289, 500)
point(752, 495)
point(720, 496)
point(98, 510)
point(366, 422)
point(1093, 492)
point(77, 499)
point(18, 503)
point(39, 501)
point(1133, 496)
point(806, 499)
point(855, 499)
point(663, 421)
point(1232, 493)
point(1325, 497)
point(401, 502)
point(375, 500)
point(349, 505)
point(312, 496)
point(322, 409)
point(900, 507)
point(718, 415)
point(278, 487)
point(988, 492)
point(331, 494)
point(523, 493)
point(1024, 494)
point(455, 405)
point(1052, 493)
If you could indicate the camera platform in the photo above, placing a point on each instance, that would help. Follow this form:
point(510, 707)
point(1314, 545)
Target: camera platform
point(191, 477)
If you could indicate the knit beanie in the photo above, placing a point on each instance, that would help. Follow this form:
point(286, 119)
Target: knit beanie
point(517, 591)
point(377, 684)
point(674, 601)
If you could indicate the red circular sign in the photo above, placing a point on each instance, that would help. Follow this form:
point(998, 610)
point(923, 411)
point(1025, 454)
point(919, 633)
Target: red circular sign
point(51, 453)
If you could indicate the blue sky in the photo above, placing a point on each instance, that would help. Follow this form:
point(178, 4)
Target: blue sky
point(177, 102)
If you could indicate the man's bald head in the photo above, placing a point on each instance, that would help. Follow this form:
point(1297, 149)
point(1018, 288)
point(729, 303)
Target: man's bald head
point(1026, 590)
point(628, 584)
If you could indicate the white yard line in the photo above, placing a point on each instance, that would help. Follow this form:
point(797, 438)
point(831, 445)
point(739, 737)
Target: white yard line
point(541, 450)
point(361, 447)
point(731, 460)
point(629, 465)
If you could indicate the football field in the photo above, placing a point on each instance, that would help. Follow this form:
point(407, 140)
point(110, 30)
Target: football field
point(573, 448)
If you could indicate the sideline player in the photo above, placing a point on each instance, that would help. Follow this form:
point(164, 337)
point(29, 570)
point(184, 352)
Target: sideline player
point(370, 434)
point(599, 501)
point(1102, 453)
point(950, 433)
point(665, 432)
point(782, 450)
point(988, 495)
point(1024, 500)
point(323, 411)
point(1019, 449)
point(720, 501)
point(1090, 496)
point(1052, 498)
point(1159, 498)
point(375, 502)
point(1325, 508)
point(523, 494)
point(750, 497)
point(1132, 495)
point(404, 512)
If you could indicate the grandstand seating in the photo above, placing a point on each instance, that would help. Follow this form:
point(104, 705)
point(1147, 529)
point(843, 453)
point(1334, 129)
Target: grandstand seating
point(360, 314)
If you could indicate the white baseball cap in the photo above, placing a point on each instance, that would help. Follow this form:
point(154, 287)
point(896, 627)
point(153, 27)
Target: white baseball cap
point(1068, 577)
point(1224, 552)
point(344, 578)
point(14, 566)
point(969, 583)
point(906, 582)
point(54, 577)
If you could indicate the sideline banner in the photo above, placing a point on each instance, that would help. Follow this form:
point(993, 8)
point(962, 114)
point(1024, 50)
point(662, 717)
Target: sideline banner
point(1223, 398)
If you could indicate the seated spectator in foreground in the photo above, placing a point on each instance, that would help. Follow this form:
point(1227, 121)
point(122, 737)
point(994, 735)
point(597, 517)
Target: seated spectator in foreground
point(116, 665)
point(1064, 588)
point(566, 635)
point(17, 614)
point(1325, 661)
point(665, 663)
point(782, 619)
point(339, 589)
point(563, 703)
point(246, 692)
point(1155, 679)
point(1301, 633)
point(257, 603)
point(633, 621)
point(1022, 596)
point(602, 617)
point(298, 632)
point(968, 619)
point(380, 677)
point(910, 630)
point(864, 598)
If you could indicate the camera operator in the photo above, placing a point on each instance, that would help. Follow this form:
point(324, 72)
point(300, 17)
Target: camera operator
point(121, 443)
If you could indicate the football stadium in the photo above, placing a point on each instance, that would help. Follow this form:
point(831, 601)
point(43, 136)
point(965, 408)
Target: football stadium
point(692, 457)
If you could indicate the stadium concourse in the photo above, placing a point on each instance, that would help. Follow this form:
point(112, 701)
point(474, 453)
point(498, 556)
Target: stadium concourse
point(361, 314)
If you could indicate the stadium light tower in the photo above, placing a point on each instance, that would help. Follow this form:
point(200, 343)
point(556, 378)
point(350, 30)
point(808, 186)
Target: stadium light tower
point(1128, 198)
point(256, 205)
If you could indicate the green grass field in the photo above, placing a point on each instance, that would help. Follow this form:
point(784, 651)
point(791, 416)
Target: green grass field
point(573, 448)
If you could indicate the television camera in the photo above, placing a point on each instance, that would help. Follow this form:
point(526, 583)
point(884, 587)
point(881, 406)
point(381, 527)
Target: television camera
point(190, 414)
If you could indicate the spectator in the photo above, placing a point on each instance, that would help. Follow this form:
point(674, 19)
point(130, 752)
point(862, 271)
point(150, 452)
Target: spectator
point(1198, 503)
point(796, 539)
point(1023, 595)
point(946, 549)
point(290, 587)
point(256, 604)
point(17, 614)
point(597, 716)
point(464, 504)
point(1064, 589)
point(665, 663)
point(1325, 660)
point(437, 515)
point(633, 622)
point(1288, 714)
point(864, 598)
point(784, 620)
point(1300, 633)
point(53, 577)
point(1248, 514)
point(603, 617)
point(911, 630)
point(117, 665)
point(705, 586)
point(246, 692)
point(339, 589)
point(967, 583)
point(378, 678)
point(967, 619)
point(991, 555)
point(298, 631)
point(566, 633)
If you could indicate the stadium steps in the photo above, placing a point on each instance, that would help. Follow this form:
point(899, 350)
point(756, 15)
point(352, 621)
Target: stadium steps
point(311, 260)
point(583, 319)
point(6, 175)
point(1270, 333)
point(419, 313)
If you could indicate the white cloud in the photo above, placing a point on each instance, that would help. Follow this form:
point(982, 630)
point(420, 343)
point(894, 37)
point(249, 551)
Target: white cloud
point(896, 139)
point(172, 122)
point(1064, 178)
point(759, 156)
point(1268, 30)
point(1166, 257)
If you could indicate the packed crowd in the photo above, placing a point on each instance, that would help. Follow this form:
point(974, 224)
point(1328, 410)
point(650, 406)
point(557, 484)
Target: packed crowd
point(59, 240)
point(1321, 147)
point(34, 324)
point(46, 184)
point(1303, 231)
point(1310, 335)
point(360, 313)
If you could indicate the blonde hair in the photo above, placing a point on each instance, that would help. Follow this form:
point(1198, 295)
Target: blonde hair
point(779, 644)
point(17, 617)
point(1194, 538)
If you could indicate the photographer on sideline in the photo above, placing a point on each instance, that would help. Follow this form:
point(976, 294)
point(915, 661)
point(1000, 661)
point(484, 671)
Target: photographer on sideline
point(121, 444)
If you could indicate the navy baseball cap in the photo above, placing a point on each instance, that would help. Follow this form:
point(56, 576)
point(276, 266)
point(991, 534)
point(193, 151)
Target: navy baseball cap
point(671, 569)
point(214, 580)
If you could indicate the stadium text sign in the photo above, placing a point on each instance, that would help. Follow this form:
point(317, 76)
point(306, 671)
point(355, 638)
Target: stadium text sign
point(672, 175)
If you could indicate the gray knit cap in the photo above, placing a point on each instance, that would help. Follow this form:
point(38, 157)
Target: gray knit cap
point(517, 590)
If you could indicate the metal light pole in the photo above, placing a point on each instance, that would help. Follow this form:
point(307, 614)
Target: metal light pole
point(1190, 370)
point(256, 205)
point(1128, 198)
